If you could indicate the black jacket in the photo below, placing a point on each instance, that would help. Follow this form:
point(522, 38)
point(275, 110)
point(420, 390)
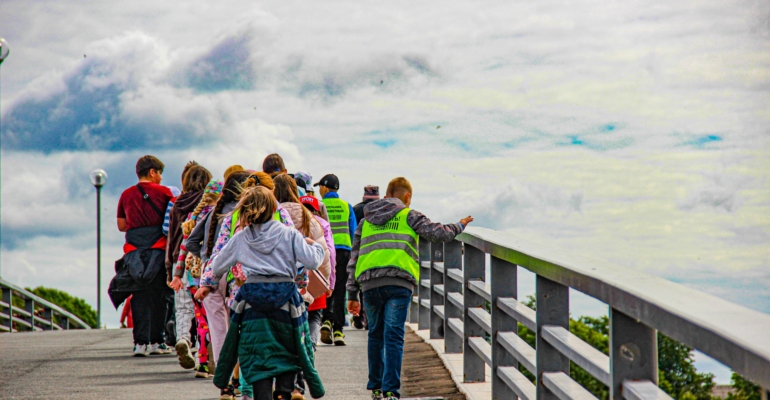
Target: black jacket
point(141, 269)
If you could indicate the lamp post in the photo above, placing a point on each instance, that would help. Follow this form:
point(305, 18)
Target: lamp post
point(98, 179)
point(4, 51)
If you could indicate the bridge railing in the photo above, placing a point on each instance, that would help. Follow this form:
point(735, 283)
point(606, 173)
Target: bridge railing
point(455, 293)
point(36, 315)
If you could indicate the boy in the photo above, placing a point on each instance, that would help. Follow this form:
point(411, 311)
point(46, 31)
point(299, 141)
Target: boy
point(384, 260)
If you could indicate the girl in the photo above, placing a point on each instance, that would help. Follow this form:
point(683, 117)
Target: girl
point(315, 310)
point(188, 267)
point(270, 323)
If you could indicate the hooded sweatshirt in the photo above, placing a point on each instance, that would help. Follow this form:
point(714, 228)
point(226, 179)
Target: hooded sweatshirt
point(316, 233)
point(268, 252)
point(184, 205)
point(378, 213)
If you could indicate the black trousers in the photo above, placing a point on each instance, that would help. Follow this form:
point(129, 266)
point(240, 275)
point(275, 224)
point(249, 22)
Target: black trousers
point(148, 309)
point(336, 305)
point(284, 385)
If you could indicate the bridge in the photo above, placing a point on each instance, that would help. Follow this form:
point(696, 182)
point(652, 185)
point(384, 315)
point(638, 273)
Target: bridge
point(470, 317)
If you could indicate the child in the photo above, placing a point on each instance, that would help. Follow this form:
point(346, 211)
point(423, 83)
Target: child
point(188, 268)
point(270, 319)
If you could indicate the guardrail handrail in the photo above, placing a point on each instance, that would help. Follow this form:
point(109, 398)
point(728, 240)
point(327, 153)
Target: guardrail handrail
point(454, 291)
point(30, 320)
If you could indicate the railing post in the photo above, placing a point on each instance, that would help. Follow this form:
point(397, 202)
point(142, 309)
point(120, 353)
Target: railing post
point(473, 270)
point(29, 306)
point(552, 309)
point(48, 316)
point(8, 299)
point(64, 322)
point(503, 283)
point(424, 292)
point(453, 259)
point(436, 278)
point(633, 352)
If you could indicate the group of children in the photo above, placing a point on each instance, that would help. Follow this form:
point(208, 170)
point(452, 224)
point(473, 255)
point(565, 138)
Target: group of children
point(260, 270)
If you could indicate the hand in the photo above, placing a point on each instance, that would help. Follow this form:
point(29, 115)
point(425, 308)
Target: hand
point(467, 220)
point(354, 307)
point(176, 284)
point(202, 293)
point(309, 241)
point(329, 292)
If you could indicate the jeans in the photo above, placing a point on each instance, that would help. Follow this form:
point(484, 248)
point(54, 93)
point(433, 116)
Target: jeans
point(149, 308)
point(386, 309)
point(284, 385)
point(336, 305)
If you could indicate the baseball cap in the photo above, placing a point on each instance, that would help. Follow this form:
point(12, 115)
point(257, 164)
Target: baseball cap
point(311, 201)
point(306, 178)
point(330, 181)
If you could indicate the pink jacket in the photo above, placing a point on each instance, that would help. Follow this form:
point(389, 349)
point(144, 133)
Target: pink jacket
point(330, 243)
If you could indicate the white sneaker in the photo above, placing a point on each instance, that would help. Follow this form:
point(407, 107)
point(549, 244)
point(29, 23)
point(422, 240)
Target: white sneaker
point(140, 350)
point(158, 349)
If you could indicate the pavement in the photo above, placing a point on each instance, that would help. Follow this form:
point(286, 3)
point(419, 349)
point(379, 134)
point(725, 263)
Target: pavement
point(98, 364)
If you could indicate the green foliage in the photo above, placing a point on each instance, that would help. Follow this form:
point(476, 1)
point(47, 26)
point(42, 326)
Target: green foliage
point(70, 303)
point(677, 375)
point(744, 389)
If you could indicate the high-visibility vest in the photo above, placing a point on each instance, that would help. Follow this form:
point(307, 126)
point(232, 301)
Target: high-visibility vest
point(393, 244)
point(339, 219)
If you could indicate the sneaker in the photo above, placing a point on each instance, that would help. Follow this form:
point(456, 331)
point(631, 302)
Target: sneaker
point(377, 394)
point(297, 396)
point(339, 338)
point(186, 359)
point(358, 322)
point(203, 371)
point(236, 384)
point(326, 333)
point(159, 349)
point(140, 350)
point(227, 393)
point(389, 396)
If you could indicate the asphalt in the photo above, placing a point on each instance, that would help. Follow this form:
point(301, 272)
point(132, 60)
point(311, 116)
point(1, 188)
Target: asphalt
point(98, 364)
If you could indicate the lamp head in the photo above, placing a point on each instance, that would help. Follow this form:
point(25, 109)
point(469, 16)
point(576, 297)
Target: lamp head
point(4, 50)
point(98, 178)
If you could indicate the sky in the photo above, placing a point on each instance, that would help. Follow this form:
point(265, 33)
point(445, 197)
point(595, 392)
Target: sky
point(635, 132)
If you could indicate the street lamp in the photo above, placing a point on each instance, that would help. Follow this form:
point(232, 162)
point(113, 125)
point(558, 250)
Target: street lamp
point(98, 179)
point(4, 50)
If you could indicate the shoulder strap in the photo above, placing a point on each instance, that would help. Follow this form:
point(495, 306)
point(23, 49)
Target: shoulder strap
point(146, 197)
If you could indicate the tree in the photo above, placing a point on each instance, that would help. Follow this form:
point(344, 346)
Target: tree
point(744, 389)
point(73, 304)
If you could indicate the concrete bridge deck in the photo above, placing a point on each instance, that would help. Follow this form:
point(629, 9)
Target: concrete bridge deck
point(98, 364)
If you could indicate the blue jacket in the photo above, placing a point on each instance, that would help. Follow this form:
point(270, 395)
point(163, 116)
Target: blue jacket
point(352, 223)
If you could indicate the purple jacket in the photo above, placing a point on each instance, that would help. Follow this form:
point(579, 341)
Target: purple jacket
point(330, 243)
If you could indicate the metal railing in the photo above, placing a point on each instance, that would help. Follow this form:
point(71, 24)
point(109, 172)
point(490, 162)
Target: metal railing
point(454, 292)
point(36, 315)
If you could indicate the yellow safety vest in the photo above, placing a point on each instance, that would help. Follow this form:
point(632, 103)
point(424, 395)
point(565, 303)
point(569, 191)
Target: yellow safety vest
point(339, 219)
point(393, 244)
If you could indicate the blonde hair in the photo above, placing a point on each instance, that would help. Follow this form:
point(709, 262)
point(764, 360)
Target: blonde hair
point(207, 200)
point(233, 168)
point(398, 188)
point(256, 206)
point(258, 179)
point(286, 192)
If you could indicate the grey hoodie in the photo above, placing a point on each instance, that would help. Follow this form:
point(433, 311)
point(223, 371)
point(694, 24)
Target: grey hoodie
point(268, 253)
point(378, 213)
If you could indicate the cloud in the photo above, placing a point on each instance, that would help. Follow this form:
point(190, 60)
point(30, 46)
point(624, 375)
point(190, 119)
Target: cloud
point(720, 192)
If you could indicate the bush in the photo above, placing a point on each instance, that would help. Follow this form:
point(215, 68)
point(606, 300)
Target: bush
point(70, 303)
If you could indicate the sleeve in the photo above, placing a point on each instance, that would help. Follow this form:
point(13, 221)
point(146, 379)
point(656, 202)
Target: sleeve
point(433, 231)
point(285, 217)
point(167, 217)
point(352, 221)
point(351, 285)
point(208, 278)
point(311, 256)
point(179, 267)
point(121, 206)
point(226, 258)
point(196, 237)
